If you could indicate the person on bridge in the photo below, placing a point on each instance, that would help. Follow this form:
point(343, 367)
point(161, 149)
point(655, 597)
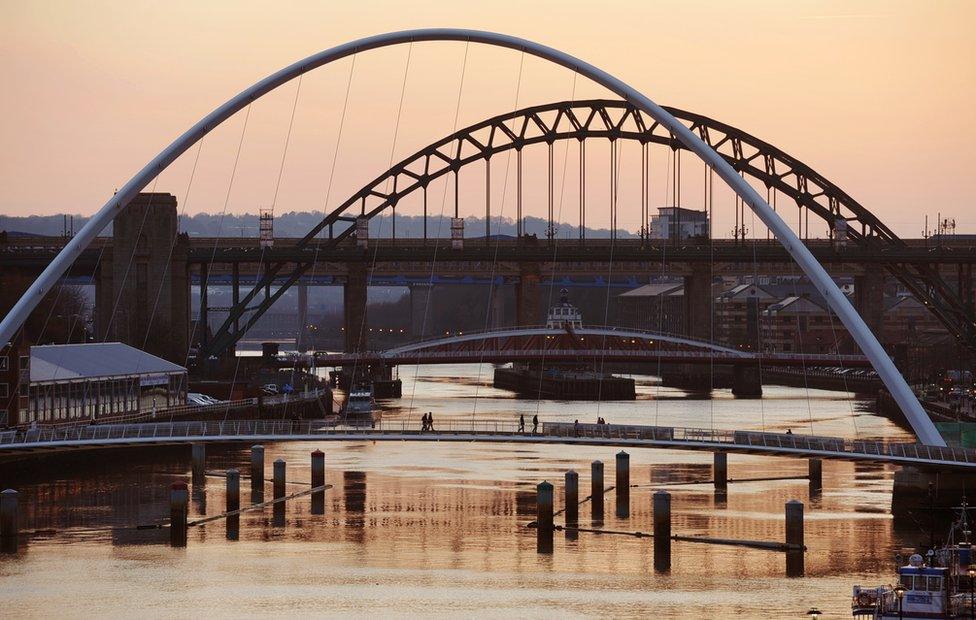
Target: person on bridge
point(430, 421)
point(535, 423)
point(521, 427)
point(423, 423)
point(576, 428)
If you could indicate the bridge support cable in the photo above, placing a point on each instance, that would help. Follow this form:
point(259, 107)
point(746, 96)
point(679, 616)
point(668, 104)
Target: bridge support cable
point(902, 394)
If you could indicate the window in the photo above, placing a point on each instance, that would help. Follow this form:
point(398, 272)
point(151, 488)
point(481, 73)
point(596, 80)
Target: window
point(4, 390)
point(3, 362)
point(24, 361)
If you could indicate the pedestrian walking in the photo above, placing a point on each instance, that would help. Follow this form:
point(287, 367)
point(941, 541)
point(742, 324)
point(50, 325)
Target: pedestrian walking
point(535, 423)
point(576, 428)
point(521, 427)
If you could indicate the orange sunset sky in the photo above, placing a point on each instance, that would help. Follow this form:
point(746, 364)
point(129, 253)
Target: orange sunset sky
point(877, 96)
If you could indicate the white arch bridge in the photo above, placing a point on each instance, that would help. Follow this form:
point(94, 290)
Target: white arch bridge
point(24, 444)
point(593, 343)
point(900, 391)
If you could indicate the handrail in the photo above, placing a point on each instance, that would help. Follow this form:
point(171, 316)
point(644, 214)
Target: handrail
point(667, 435)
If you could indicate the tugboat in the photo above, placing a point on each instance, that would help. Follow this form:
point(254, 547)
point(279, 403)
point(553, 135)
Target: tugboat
point(359, 403)
point(937, 585)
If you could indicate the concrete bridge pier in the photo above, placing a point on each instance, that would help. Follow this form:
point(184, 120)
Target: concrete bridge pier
point(301, 339)
point(528, 295)
point(354, 308)
point(142, 285)
point(420, 297)
point(869, 299)
point(916, 489)
point(747, 380)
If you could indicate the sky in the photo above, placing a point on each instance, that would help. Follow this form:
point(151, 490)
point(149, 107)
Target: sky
point(877, 96)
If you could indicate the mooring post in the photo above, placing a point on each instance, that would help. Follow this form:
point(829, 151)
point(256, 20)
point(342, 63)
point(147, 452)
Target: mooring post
point(318, 480)
point(623, 485)
point(278, 488)
point(543, 518)
point(233, 490)
point(815, 474)
point(179, 499)
point(662, 531)
point(794, 538)
point(279, 479)
point(233, 503)
point(572, 498)
point(257, 474)
point(720, 470)
point(596, 490)
point(9, 527)
point(199, 463)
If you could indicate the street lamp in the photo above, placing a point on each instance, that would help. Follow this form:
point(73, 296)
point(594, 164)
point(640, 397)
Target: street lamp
point(814, 613)
point(900, 593)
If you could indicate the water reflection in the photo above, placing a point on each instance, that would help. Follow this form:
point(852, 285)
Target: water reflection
point(443, 528)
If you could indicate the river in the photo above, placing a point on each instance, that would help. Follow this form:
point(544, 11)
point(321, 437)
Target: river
point(438, 529)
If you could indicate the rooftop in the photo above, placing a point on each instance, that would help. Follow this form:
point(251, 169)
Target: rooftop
point(65, 362)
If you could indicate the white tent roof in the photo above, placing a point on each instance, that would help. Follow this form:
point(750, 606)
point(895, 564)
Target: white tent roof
point(65, 362)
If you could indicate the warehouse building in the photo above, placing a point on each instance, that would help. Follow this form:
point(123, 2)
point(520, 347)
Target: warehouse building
point(92, 381)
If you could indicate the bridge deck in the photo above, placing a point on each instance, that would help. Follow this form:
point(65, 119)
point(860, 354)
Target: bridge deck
point(46, 440)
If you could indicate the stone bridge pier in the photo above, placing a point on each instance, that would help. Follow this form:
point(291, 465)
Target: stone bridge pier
point(354, 308)
point(142, 288)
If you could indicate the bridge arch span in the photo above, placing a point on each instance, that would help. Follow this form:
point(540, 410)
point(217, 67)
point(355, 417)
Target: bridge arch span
point(521, 332)
point(896, 384)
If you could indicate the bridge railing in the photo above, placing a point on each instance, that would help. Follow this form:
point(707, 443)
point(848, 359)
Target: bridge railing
point(241, 429)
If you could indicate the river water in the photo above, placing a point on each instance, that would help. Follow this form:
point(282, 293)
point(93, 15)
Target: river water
point(438, 529)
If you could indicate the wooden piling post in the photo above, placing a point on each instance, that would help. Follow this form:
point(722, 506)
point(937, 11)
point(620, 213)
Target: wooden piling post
point(199, 463)
point(572, 498)
point(543, 508)
point(233, 503)
point(279, 478)
point(233, 490)
point(794, 538)
point(623, 485)
point(662, 531)
point(9, 522)
point(179, 499)
point(596, 490)
point(257, 474)
point(815, 474)
point(720, 470)
point(318, 480)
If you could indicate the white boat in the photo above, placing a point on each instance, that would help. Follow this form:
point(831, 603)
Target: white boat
point(360, 402)
point(937, 585)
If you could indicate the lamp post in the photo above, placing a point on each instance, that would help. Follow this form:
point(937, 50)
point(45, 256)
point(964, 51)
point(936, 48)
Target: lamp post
point(900, 593)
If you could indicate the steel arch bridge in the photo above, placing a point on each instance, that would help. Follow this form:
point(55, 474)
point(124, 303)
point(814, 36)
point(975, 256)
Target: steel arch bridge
point(596, 119)
point(681, 132)
point(594, 343)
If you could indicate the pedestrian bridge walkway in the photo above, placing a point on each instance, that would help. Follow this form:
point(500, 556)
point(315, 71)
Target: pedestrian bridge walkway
point(18, 444)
